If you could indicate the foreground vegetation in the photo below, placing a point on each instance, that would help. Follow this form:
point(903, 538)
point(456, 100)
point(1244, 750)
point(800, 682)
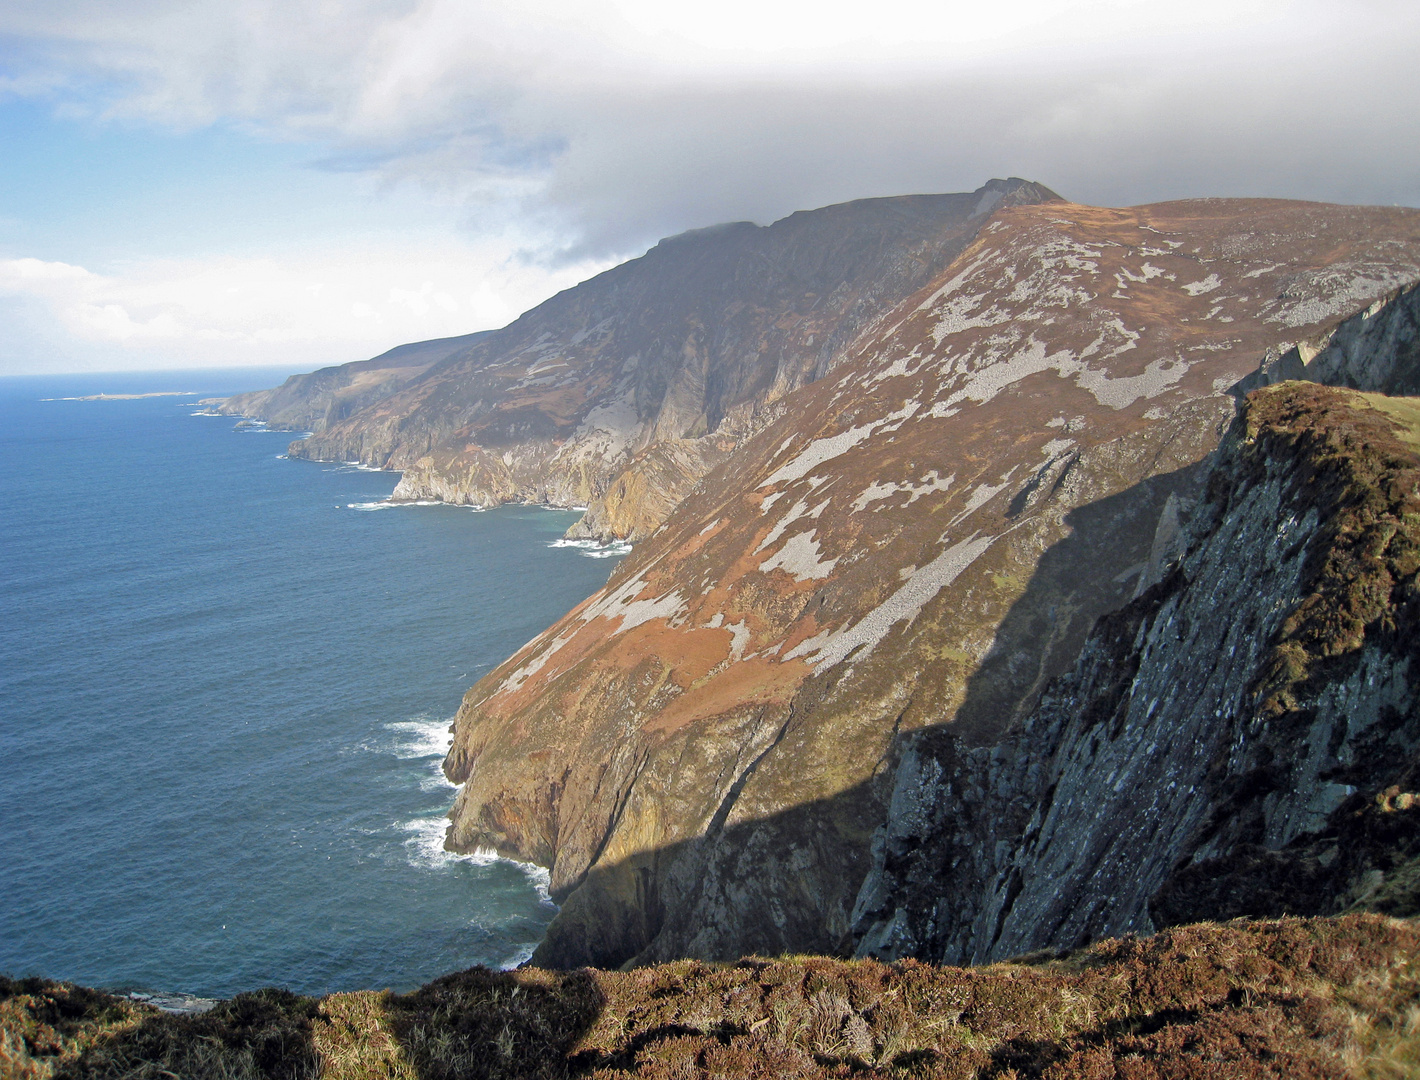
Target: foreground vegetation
point(1294, 998)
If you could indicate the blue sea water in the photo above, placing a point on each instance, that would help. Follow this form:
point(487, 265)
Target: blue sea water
point(226, 681)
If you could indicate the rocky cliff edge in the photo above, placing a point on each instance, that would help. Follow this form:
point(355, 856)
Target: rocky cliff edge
point(924, 536)
point(1241, 738)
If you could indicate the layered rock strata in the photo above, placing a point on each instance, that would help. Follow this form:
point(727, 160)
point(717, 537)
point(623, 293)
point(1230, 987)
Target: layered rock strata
point(701, 750)
point(1241, 738)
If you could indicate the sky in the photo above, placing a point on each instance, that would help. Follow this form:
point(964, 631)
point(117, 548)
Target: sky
point(189, 183)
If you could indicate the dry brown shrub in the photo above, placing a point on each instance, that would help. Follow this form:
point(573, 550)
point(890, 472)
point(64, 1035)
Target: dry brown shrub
point(1293, 998)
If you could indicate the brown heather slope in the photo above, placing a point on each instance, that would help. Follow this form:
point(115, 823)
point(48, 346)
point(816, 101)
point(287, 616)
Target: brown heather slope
point(701, 750)
point(634, 384)
point(1295, 999)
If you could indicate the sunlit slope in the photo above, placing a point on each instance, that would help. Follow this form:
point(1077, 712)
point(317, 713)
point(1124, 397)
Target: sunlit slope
point(701, 750)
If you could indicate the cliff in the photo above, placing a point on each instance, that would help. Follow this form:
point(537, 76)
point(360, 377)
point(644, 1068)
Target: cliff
point(1290, 1000)
point(921, 538)
point(314, 401)
point(621, 393)
point(1243, 737)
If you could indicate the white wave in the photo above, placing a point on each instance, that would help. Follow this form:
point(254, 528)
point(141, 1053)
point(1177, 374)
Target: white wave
point(385, 504)
point(540, 877)
point(422, 738)
point(594, 549)
point(435, 780)
point(425, 845)
point(518, 958)
point(609, 552)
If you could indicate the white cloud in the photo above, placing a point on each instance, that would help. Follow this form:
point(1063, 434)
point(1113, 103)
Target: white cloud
point(611, 122)
point(581, 130)
point(322, 307)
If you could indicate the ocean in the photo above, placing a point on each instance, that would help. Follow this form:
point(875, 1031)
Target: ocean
point(226, 683)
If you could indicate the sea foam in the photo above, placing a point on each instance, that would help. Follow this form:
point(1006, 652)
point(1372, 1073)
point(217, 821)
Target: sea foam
point(425, 845)
point(385, 504)
point(422, 737)
point(418, 739)
point(594, 549)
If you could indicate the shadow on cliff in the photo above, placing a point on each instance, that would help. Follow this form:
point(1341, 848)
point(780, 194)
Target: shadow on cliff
point(787, 883)
point(1114, 545)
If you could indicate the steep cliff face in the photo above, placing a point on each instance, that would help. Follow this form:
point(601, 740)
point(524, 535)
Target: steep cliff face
point(1379, 350)
point(315, 401)
point(621, 393)
point(1241, 738)
point(701, 750)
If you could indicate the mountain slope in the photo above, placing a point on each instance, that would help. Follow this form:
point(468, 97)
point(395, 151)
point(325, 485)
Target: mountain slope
point(633, 384)
point(315, 401)
point(701, 750)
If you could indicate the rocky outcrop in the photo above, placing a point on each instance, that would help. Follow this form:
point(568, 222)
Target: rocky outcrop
point(621, 393)
point(1379, 350)
point(1241, 738)
point(649, 488)
point(924, 536)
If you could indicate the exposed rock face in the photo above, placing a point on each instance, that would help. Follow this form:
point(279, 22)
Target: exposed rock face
point(650, 487)
point(315, 401)
point(622, 392)
point(701, 750)
point(1378, 351)
point(1240, 738)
